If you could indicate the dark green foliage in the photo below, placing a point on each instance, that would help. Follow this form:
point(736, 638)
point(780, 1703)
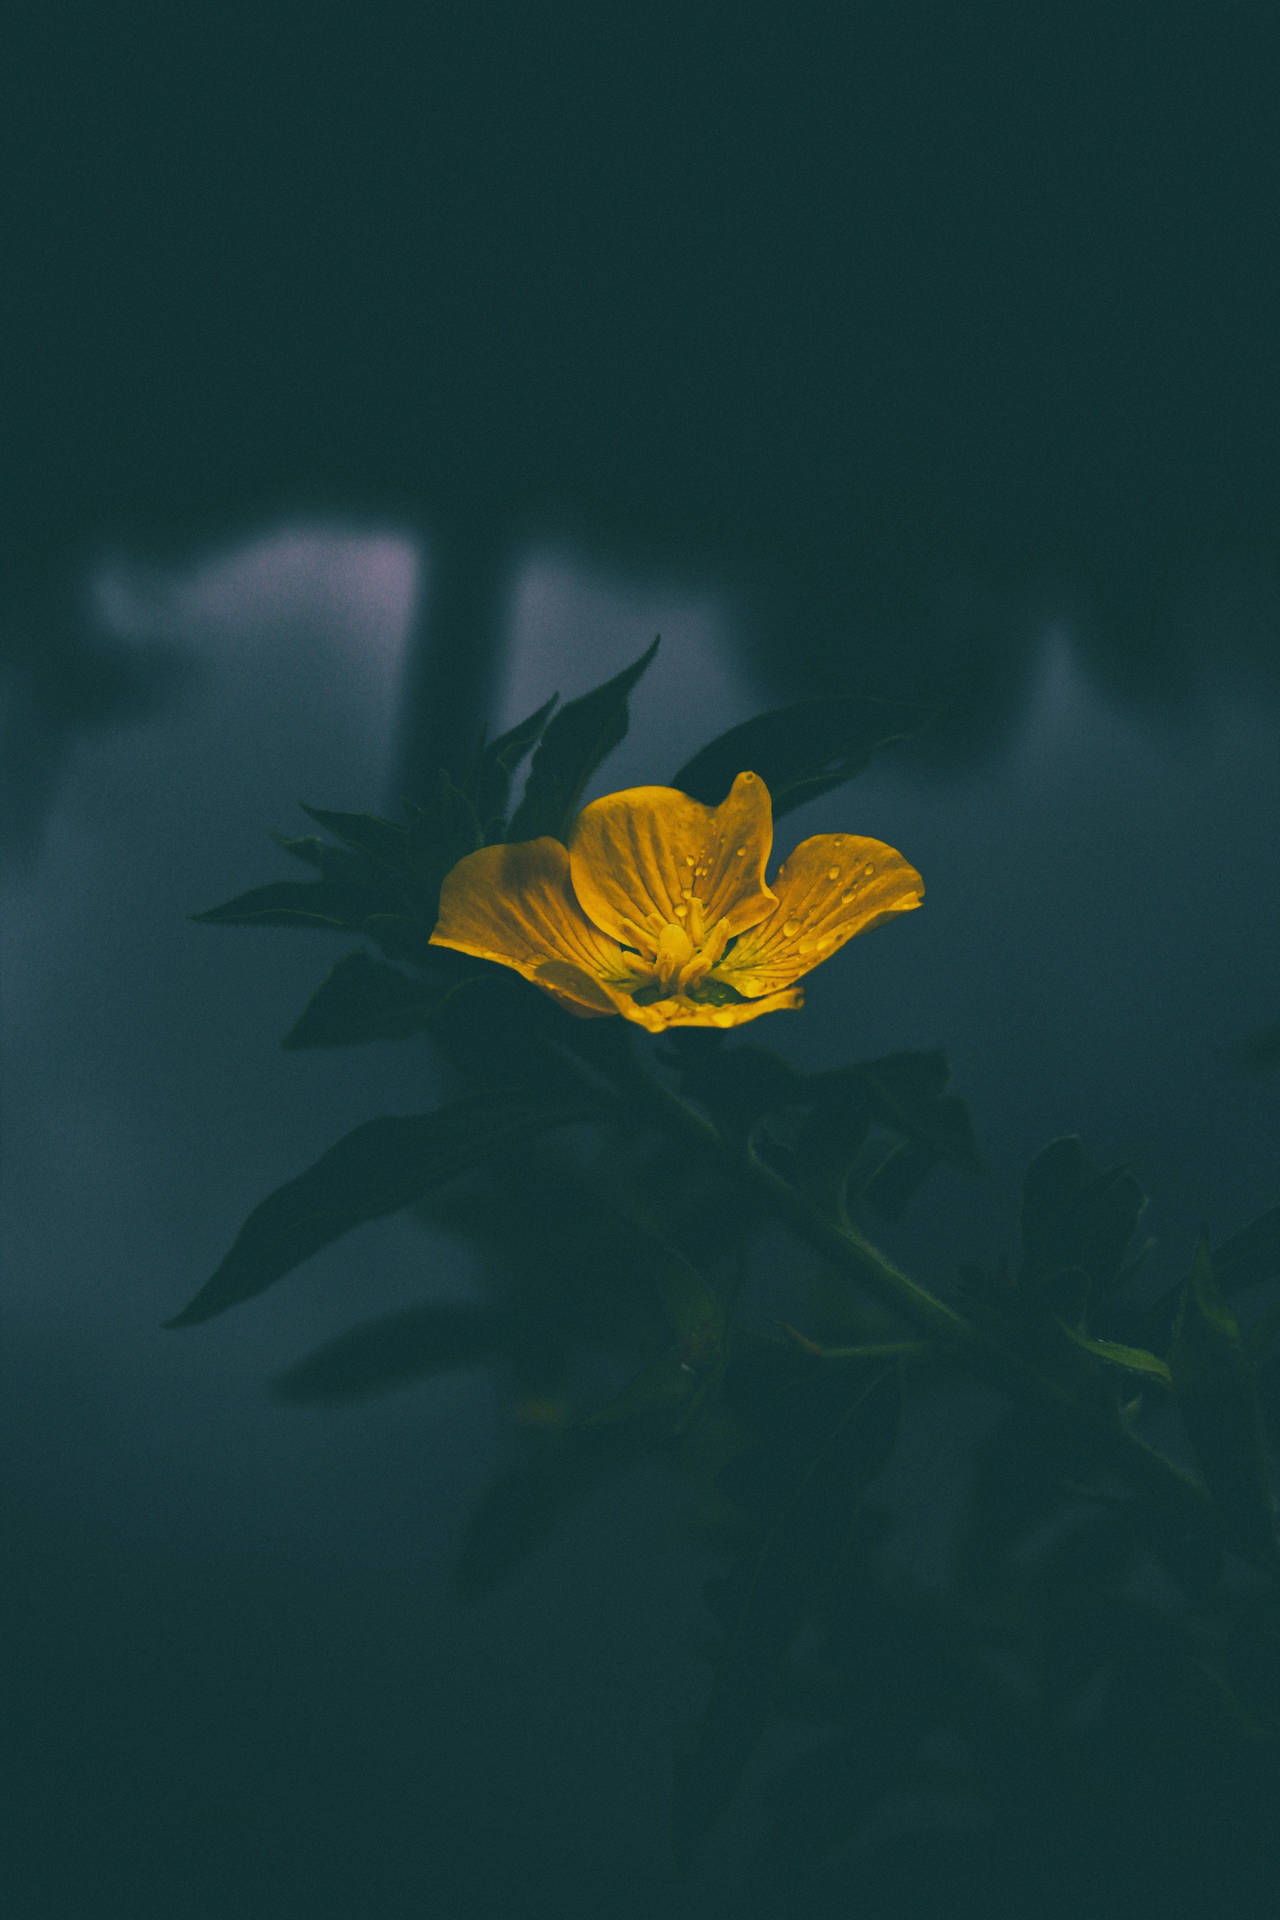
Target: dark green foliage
point(580, 736)
point(362, 999)
point(800, 751)
point(495, 766)
point(1094, 1637)
point(1116, 1354)
point(866, 1135)
point(1214, 1381)
point(764, 1606)
point(377, 1169)
point(394, 1351)
point(439, 834)
point(527, 1502)
point(1077, 1223)
point(382, 842)
point(1249, 1256)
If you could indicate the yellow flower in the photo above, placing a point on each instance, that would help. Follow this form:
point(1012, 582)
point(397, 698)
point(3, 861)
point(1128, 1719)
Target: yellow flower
point(658, 909)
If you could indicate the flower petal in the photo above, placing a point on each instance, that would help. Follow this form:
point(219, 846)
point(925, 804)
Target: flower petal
point(580, 992)
point(651, 857)
point(514, 904)
point(833, 886)
point(680, 1011)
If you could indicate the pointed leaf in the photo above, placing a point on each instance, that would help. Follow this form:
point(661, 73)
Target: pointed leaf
point(800, 751)
point(1132, 1359)
point(298, 903)
point(1077, 1222)
point(1217, 1395)
point(333, 863)
point(1251, 1255)
point(526, 1503)
point(655, 1398)
point(441, 832)
point(377, 1169)
point(581, 735)
point(490, 785)
point(383, 841)
point(363, 999)
point(394, 1351)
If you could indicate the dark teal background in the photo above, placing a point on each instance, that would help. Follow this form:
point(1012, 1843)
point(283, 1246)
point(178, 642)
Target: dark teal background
point(366, 372)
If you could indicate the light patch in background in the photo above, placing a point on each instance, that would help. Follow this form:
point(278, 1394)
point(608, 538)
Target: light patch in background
point(573, 626)
point(148, 1107)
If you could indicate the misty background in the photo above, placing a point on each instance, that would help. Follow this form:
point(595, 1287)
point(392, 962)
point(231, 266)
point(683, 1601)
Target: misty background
point(376, 379)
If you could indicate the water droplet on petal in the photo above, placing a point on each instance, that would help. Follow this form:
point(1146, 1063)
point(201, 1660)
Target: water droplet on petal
point(681, 912)
point(689, 860)
point(837, 839)
point(790, 928)
point(739, 852)
point(748, 776)
point(833, 873)
point(846, 897)
point(867, 872)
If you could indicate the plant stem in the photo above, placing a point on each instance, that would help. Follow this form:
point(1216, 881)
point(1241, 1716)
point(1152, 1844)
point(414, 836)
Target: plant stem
point(988, 1356)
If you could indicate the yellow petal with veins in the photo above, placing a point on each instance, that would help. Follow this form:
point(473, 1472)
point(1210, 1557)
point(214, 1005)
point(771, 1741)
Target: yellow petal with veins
point(651, 857)
point(514, 904)
point(832, 887)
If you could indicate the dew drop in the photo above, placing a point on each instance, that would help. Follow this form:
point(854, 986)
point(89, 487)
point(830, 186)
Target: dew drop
point(689, 860)
point(837, 839)
point(739, 852)
point(748, 776)
point(867, 872)
point(833, 873)
point(681, 912)
point(846, 897)
point(790, 928)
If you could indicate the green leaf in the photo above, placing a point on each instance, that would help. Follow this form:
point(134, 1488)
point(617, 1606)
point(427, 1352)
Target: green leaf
point(1077, 1221)
point(1251, 1255)
point(382, 841)
point(298, 903)
point(333, 863)
point(800, 751)
point(1217, 1395)
point(490, 784)
point(526, 1503)
point(841, 1147)
point(1132, 1359)
point(798, 1553)
point(655, 1398)
point(441, 832)
point(581, 735)
point(377, 1169)
point(394, 1351)
point(363, 999)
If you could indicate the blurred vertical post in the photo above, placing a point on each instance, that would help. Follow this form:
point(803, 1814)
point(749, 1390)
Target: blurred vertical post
point(457, 646)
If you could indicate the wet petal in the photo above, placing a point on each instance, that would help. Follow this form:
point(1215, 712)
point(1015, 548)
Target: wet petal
point(580, 992)
point(680, 1011)
point(650, 857)
point(514, 904)
point(832, 887)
